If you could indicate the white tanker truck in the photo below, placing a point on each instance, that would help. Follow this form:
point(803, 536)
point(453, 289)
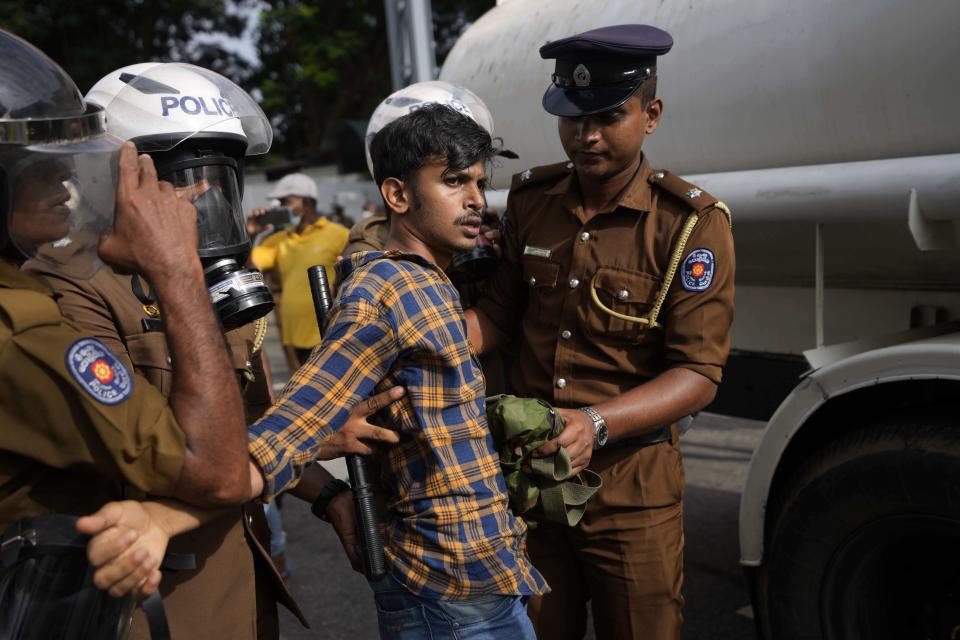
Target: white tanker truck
point(830, 128)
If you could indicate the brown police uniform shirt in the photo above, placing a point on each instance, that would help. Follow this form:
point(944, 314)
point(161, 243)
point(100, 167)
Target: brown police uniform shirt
point(370, 234)
point(225, 549)
point(70, 442)
point(572, 352)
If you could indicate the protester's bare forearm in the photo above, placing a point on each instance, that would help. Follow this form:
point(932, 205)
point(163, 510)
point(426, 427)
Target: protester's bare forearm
point(673, 394)
point(205, 395)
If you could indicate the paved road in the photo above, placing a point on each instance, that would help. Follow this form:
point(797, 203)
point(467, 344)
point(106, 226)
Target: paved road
point(717, 449)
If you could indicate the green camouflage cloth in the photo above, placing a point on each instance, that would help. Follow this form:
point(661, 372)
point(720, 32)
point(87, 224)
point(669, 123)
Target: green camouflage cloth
point(539, 487)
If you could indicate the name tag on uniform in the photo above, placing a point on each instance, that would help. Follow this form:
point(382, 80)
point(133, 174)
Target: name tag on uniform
point(536, 251)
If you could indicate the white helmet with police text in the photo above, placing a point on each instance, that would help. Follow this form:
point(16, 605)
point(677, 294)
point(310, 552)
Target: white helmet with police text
point(57, 163)
point(159, 105)
point(414, 96)
point(198, 126)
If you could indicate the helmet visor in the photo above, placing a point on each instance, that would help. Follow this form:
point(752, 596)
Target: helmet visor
point(62, 197)
point(175, 101)
point(214, 191)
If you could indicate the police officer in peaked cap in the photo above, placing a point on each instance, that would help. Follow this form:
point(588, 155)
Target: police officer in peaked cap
point(618, 278)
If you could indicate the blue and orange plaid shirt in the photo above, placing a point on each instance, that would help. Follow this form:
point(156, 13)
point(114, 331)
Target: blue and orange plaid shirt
point(397, 321)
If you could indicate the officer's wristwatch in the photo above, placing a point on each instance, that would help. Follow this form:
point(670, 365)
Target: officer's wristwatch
point(329, 491)
point(599, 427)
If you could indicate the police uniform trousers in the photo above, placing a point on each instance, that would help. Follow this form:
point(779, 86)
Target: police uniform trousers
point(625, 556)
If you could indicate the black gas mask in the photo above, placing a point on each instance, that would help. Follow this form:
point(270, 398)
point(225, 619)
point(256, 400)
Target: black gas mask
point(206, 173)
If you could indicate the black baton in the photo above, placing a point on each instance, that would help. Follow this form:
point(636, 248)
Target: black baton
point(363, 481)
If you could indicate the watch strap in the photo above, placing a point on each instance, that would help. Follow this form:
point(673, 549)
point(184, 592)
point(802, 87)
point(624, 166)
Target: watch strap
point(598, 424)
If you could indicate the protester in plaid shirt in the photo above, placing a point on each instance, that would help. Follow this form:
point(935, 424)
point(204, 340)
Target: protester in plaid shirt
point(397, 320)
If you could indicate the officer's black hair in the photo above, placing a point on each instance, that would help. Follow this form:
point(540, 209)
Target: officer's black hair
point(648, 90)
point(432, 133)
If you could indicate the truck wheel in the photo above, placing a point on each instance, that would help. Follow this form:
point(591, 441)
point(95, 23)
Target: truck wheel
point(866, 540)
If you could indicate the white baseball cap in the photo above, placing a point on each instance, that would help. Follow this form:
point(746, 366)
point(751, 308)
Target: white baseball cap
point(295, 184)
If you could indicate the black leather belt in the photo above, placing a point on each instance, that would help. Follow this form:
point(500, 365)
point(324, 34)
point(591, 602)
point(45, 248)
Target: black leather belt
point(663, 435)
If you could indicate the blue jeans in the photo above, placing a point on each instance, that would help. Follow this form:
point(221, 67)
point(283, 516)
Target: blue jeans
point(278, 537)
point(405, 616)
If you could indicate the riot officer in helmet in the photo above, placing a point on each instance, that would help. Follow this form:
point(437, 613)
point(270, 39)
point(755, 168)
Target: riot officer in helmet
point(79, 428)
point(197, 126)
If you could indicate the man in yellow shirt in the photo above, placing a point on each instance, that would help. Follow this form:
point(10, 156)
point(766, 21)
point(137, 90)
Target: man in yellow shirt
point(289, 252)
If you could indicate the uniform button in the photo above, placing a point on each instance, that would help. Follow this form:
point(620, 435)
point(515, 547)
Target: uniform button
point(584, 236)
point(532, 281)
point(565, 334)
point(622, 294)
point(248, 364)
point(169, 360)
point(659, 175)
point(574, 283)
point(456, 625)
point(561, 383)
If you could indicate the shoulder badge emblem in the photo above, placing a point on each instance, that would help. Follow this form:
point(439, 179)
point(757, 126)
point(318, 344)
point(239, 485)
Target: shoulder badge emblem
point(694, 193)
point(526, 175)
point(698, 268)
point(99, 372)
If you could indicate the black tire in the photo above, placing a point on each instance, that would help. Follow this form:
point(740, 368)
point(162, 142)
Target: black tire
point(865, 543)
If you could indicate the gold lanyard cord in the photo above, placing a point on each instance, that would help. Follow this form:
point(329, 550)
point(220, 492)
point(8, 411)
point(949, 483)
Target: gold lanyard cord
point(260, 333)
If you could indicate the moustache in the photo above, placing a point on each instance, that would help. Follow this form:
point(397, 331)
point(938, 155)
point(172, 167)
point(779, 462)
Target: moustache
point(469, 218)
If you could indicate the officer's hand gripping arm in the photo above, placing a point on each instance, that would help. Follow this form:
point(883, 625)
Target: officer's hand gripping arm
point(130, 539)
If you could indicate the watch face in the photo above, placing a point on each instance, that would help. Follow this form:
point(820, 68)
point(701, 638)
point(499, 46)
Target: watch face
point(601, 436)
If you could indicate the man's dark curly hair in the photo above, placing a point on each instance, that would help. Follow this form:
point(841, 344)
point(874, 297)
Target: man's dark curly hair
point(433, 134)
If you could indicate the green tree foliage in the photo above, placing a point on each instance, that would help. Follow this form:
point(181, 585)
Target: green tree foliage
point(90, 39)
point(322, 62)
point(325, 62)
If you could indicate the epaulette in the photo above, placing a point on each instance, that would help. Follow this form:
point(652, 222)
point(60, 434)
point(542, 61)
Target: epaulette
point(690, 194)
point(540, 175)
point(26, 309)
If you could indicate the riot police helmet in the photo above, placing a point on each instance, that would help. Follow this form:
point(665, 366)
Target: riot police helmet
point(414, 96)
point(198, 127)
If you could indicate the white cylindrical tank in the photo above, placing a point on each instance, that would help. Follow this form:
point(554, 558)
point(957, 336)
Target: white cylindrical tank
point(844, 113)
point(749, 84)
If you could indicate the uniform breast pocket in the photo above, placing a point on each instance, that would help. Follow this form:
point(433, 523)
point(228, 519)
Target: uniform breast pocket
point(150, 357)
point(541, 276)
point(618, 300)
